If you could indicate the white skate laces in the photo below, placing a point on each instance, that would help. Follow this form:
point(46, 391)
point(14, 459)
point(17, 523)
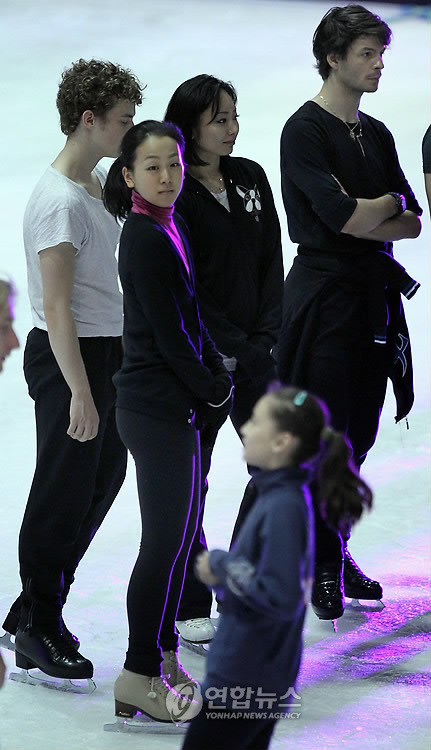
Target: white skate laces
point(160, 686)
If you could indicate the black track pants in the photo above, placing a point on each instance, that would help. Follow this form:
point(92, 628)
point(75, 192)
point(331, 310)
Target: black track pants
point(74, 483)
point(167, 458)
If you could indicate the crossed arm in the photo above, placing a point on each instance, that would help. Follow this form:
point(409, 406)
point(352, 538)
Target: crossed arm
point(373, 219)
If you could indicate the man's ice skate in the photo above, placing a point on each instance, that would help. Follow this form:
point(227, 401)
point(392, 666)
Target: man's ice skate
point(327, 599)
point(55, 658)
point(10, 626)
point(145, 703)
point(41, 680)
point(357, 586)
point(196, 634)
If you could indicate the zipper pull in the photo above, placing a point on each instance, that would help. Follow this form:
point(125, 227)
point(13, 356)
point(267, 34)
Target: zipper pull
point(407, 424)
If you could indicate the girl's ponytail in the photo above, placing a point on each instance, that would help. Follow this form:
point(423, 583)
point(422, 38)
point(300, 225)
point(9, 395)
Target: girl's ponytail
point(343, 494)
point(117, 197)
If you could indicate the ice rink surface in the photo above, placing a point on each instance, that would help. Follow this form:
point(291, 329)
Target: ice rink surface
point(368, 685)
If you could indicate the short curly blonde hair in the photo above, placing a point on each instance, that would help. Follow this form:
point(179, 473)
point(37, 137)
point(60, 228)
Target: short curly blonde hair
point(95, 85)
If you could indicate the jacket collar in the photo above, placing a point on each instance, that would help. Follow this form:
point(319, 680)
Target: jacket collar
point(265, 480)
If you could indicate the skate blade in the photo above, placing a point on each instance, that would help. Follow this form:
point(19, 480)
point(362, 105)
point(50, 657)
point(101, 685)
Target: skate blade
point(7, 642)
point(142, 724)
point(376, 607)
point(65, 686)
point(196, 648)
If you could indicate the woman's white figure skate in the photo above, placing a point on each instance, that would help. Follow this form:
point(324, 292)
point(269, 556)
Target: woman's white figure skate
point(196, 634)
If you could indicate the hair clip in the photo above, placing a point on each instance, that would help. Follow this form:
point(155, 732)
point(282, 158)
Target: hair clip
point(300, 398)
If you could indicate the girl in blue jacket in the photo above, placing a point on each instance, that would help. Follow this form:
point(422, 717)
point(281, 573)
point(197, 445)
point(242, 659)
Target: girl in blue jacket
point(266, 577)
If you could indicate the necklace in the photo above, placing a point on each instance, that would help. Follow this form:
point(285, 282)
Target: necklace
point(355, 130)
point(217, 187)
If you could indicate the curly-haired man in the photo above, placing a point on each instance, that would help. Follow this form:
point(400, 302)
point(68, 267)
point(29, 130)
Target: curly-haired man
point(70, 357)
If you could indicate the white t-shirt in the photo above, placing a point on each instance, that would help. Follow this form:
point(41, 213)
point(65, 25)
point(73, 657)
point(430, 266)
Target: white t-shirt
point(60, 210)
point(223, 199)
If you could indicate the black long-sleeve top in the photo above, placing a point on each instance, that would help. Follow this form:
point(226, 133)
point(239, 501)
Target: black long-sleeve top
point(315, 148)
point(238, 261)
point(170, 362)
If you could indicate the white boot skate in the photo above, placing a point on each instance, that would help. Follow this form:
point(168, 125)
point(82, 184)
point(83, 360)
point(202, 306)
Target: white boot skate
point(195, 634)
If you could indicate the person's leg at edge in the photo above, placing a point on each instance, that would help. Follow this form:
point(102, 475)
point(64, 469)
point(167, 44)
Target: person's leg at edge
point(212, 733)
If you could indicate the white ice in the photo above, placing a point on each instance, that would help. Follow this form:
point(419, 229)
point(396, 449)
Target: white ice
point(368, 685)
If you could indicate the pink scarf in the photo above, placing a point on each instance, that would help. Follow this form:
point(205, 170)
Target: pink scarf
point(163, 216)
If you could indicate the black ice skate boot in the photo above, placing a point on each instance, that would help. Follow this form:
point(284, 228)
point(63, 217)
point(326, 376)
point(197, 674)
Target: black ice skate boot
point(10, 625)
point(356, 584)
point(327, 599)
point(49, 652)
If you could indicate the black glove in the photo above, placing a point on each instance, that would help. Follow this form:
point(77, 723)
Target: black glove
point(216, 413)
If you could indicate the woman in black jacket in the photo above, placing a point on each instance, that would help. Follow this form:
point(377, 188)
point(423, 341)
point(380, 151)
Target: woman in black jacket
point(228, 206)
point(172, 378)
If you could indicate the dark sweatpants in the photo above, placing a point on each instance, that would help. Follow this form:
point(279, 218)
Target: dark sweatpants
point(74, 483)
point(196, 599)
point(167, 458)
point(349, 372)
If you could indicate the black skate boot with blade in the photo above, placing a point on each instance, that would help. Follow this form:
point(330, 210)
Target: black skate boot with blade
point(10, 625)
point(356, 584)
point(327, 599)
point(49, 652)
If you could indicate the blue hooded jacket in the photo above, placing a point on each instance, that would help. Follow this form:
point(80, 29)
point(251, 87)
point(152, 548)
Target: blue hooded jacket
point(266, 582)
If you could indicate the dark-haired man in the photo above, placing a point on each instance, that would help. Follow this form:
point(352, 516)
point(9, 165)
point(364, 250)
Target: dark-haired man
point(70, 357)
point(347, 200)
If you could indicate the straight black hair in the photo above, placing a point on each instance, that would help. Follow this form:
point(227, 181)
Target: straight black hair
point(117, 196)
point(187, 104)
point(340, 27)
point(342, 493)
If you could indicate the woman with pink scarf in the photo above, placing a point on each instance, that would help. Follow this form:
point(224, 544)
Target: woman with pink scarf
point(171, 382)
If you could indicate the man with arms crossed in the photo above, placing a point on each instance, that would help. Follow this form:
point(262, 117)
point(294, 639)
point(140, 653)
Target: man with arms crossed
point(346, 198)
